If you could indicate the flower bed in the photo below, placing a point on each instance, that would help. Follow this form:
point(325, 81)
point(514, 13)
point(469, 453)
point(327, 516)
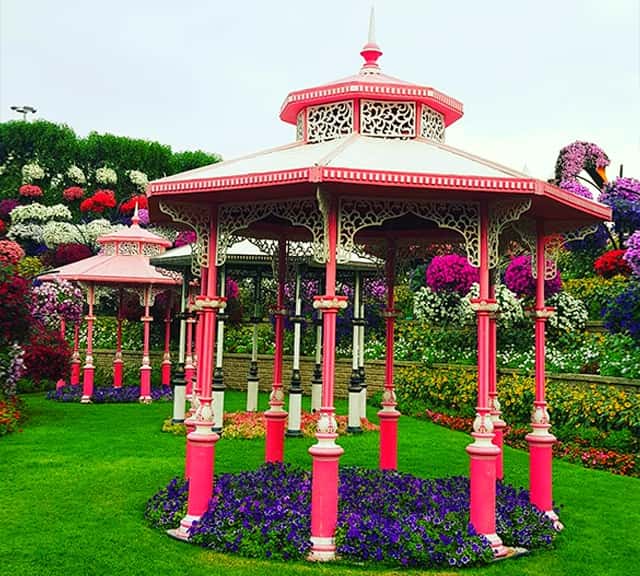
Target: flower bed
point(577, 450)
point(251, 425)
point(384, 517)
point(108, 395)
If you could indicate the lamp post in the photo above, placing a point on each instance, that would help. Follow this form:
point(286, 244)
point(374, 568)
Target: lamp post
point(24, 110)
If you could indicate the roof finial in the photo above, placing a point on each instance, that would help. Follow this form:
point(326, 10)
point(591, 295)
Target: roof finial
point(371, 51)
point(135, 219)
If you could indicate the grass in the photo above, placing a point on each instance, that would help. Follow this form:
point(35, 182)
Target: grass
point(74, 483)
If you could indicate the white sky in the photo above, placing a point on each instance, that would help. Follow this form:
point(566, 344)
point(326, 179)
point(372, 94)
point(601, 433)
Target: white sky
point(534, 75)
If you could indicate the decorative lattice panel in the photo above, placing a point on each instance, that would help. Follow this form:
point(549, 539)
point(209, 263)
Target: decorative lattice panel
point(128, 248)
point(300, 126)
point(152, 250)
point(329, 121)
point(108, 249)
point(432, 124)
point(388, 119)
point(500, 215)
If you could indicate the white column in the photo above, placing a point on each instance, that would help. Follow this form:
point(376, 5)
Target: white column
point(253, 379)
point(218, 375)
point(178, 381)
point(295, 389)
point(363, 381)
point(355, 402)
point(316, 381)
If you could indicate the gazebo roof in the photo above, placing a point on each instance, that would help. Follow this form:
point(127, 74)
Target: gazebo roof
point(371, 134)
point(123, 259)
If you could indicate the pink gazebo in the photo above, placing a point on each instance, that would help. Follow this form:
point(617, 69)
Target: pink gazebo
point(122, 264)
point(370, 168)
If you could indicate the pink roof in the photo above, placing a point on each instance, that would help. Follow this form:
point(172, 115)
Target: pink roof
point(115, 269)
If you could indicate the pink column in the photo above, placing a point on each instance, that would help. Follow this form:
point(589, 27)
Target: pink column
point(389, 416)
point(276, 416)
point(166, 357)
point(326, 453)
point(145, 369)
point(496, 414)
point(117, 361)
point(482, 451)
point(75, 356)
point(63, 332)
point(89, 368)
point(201, 442)
point(540, 440)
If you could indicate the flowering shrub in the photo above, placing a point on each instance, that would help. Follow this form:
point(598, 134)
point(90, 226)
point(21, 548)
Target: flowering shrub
point(451, 273)
point(106, 176)
point(27, 233)
point(139, 179)
point(570, 313)
point(519, 279)
point(129, 206)
point(32, 172)
point(11, 369)
point(39, 213)
point(46, 355)
point(67, 253)
point(595, 292)
point(73, 193)
point(438, 308)
point(612, 263)
point(143, 215)
point(55, 301)
point(6, 206)
point(623, 196)
point(10, 252)
point(110, 395)
point(632, 255)
point(30, 191)
point(14, 305)
point(384, 517)
point(623, 313)
point(579, 156)
point(10, 414)
point(30, 266)
point(76, 175)
point(509, 307)
point(99, 202)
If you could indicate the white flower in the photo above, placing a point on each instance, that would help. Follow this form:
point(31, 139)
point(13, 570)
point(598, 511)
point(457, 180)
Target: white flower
point(509, 306)
point(56, 233)
point(571, 313)
point(76, 175)
point(32, 172)
point(56, 180)
point(29, 232)
point(106, 175)
point(39, 213)
point(139, 179)
point(438, 308)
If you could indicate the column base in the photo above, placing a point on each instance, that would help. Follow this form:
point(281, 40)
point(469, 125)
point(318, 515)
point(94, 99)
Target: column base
point(274, 444)
point(540, 470)
point(182, 531)
point(388, 438)
point(252, 395)
point(85, 400)
point(322, 549)
point(499, 549)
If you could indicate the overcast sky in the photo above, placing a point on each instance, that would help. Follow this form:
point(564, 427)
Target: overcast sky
point(534, 75)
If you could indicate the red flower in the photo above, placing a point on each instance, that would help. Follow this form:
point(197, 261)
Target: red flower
point(86, 205)
point(99, 201)
point(30, 191)
point(3, 228)
point(129, 206)
point(73, 193)
point(612, 263)
point(67, 253)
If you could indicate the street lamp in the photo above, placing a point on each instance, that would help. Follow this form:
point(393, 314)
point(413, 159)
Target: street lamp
point(24, 110)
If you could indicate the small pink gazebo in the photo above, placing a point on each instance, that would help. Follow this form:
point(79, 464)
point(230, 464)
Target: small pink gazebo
point(122, 263)
point(369, 167)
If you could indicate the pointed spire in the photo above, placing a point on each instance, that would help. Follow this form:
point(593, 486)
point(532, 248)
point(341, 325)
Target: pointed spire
point(135, 219)
point(371, 51)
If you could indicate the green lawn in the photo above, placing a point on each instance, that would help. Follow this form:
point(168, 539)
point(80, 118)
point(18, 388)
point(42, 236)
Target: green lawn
point(74, 483)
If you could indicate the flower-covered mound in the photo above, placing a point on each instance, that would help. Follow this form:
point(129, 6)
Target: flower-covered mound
point(384, 517)
point(108, 395)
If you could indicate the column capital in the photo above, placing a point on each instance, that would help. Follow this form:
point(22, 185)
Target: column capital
point(327, 303)
point(489, 305)
point(209, 303)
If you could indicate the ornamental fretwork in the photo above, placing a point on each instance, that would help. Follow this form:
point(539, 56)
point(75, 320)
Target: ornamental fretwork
point(388, 119)
point(357, 214)
point(432, 124)
point(329, 121)
point(233, 218)
point(500, 215)
point(198, 220)
point(300, 126)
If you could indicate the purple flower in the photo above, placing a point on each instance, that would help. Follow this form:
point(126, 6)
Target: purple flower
point(451, 273)
point(6, 206)
point(519, 279)
point(184, 237)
